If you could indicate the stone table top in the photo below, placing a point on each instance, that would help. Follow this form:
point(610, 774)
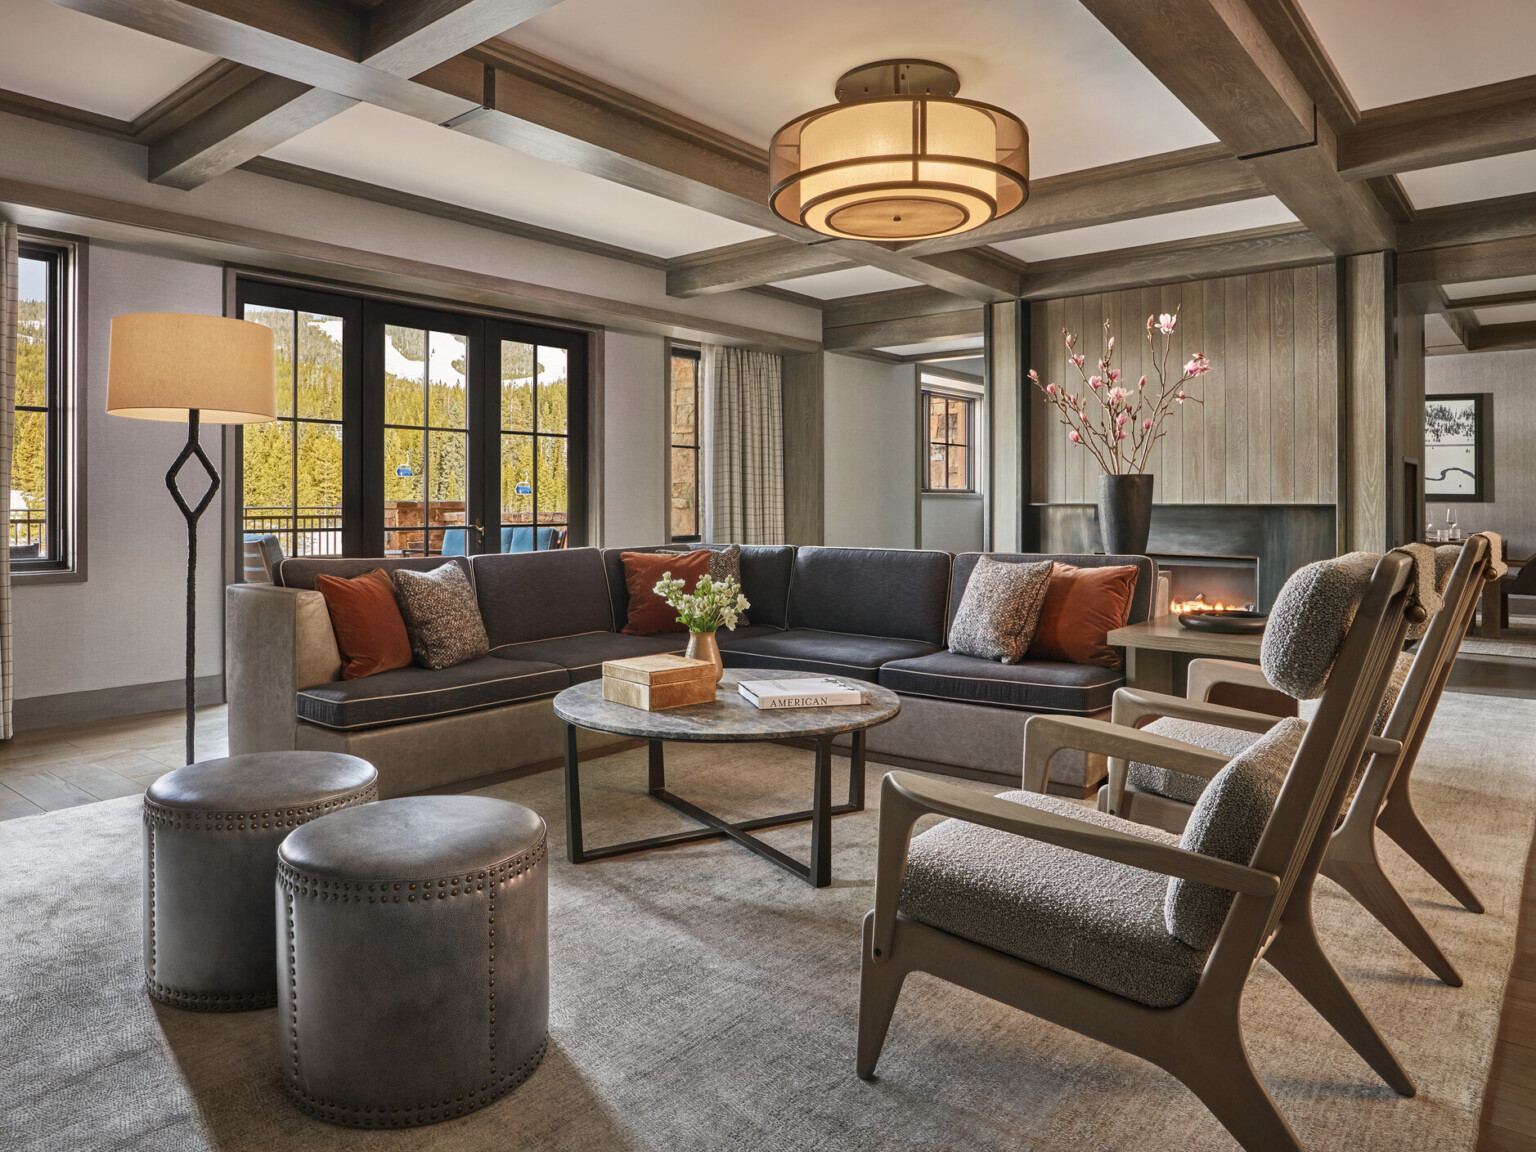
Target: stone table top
point(730, 718)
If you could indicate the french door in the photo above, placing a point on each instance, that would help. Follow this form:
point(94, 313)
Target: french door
point(408, 431)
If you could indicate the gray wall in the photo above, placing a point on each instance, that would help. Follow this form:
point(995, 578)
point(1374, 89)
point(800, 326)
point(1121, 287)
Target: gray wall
point(871, 457)
point(1507, 377)
point(124, 624)
point(953, 523)
point(634, 439)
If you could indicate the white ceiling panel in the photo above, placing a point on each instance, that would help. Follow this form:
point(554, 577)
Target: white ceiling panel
point(960, 344)
point(400, 152)
point(747, 69)
point(1260, 213)
point(1388, 51)
point(848, 282)
point(1473, 288)
point(57, 54)
point(1437, 333)
point(1475, 180)
point(1506, 314)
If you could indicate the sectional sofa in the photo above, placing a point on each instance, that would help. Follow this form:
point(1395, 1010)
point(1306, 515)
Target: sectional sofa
point(553, 617)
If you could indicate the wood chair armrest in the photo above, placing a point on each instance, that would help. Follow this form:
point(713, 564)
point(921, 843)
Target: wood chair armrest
point(1205, 672)
point(906, 796)
point(1044, 736)
point(1381, 746)
point(1132, 706)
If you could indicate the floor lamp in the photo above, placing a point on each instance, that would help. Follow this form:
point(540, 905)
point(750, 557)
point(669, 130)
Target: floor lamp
point(186, 368)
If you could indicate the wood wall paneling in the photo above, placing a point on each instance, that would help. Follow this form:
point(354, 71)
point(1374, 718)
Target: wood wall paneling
point(1366, 511)
point(804, 449)
point(1266, 430)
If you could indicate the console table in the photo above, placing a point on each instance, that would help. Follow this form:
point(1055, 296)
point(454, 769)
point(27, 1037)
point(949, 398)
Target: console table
point(728, 720)
point(1158, 651)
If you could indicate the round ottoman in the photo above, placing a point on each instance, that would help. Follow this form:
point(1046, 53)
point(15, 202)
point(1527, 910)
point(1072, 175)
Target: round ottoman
point(415, 935)
point(211, 832)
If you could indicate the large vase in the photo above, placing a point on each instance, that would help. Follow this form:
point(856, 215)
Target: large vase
point(702, 646)
point(1125, 514)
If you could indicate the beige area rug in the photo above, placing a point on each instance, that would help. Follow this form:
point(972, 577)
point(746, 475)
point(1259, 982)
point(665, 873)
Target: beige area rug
point(703, 999)
point(1518, 640)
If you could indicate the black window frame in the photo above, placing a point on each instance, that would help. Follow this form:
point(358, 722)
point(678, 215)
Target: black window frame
point(697, 447)
point(929, 394)
point(367, 318)
point(60, 529)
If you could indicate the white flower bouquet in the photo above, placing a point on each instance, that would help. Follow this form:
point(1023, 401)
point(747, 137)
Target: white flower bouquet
point(710, 606)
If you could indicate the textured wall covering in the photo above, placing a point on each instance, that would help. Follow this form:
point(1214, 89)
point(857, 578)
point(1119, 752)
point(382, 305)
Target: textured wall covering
point(8, 321)
point(871, 453)
point(1267, 432)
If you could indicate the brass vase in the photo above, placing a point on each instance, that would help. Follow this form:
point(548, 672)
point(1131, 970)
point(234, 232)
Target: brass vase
point(702, 646)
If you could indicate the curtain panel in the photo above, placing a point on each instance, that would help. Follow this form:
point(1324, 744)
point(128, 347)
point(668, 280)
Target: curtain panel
point(9, 318)
point(744, 393)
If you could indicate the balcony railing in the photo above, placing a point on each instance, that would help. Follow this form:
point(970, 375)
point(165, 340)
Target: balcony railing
point(29, 527)
point(305, 531)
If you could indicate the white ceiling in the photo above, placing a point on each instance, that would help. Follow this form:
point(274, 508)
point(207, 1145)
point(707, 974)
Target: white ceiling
point(382, 147)
point(1471, 288)
point(961, 344)
point(747, 69)
point(60, 55)
point(1388, 51)
point(1475, 180)
point(848, 282)
point(1245, 214)
point(1506, 314)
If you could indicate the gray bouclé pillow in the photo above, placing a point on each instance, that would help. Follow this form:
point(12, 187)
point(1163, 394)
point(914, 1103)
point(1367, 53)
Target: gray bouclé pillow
point(997, 615)
point(1227, 822)
point(441, 616)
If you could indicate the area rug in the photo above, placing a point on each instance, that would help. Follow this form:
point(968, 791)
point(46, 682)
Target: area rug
point(1518, 640)
point(704, 1000)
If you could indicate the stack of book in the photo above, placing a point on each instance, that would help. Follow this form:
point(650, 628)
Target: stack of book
point(803, 692)
point(656, 683)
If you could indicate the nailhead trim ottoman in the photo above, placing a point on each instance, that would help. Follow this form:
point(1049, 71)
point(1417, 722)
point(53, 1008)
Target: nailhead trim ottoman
point(211, 832)
point(415, 935)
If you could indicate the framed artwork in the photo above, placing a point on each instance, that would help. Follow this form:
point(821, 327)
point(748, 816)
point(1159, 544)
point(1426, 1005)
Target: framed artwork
point(1457, 436)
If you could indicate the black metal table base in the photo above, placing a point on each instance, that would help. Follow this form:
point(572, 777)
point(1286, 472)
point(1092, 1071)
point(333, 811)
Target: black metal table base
point(818, 872)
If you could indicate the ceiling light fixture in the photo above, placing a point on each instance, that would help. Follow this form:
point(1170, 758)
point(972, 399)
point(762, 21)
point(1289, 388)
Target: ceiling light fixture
point(899, 157)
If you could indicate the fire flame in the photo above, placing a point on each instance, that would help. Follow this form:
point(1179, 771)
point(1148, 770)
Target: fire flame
point(1199, 604)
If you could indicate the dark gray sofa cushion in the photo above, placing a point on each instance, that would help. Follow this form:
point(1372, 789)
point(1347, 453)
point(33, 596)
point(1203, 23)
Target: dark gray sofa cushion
point(871, 592)
point(538, 595)
point(831, 653)
point(1035, 685)
point(765, 578)
point(300, 571)
point(583, 655)
point(1141, 597)
point(414, 693)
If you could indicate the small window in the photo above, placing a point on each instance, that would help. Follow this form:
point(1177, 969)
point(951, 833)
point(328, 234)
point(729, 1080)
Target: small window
point(43, 451)
point(683, 447)
point(951, 424)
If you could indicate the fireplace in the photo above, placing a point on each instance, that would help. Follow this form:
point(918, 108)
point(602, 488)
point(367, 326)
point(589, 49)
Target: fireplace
point(1199, 583)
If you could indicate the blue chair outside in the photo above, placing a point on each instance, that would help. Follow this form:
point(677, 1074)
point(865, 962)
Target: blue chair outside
point(454, 541)
point(520, 538)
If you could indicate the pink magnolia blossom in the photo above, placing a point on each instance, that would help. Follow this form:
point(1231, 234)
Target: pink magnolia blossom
point(1142, 383)
point(1074, 437)
point(1078, 359)
point(1119, 435)
point(1116, 395)
point(1146, 424)
point(1120, 419)
point(1071, 339)
point(1198, 365)
point(1050, 389)
point(1035, 376)
point(1180, 396)
point(1114, 374)
point(1166, 323)
point(1111, 344)
point(1095, 381)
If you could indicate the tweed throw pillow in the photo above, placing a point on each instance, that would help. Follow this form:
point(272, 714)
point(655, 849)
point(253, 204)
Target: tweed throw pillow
point(998, 613)
point(725, 562)
point(441, 616)
point(1227, 822)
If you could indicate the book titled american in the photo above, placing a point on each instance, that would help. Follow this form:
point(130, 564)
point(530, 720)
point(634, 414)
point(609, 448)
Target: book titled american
point(804, 692)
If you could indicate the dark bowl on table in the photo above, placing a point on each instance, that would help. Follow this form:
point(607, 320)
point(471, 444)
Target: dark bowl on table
point(1236, 621)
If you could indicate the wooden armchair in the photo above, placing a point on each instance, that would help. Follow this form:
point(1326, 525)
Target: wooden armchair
point(1064, 912)
point(1382, 798)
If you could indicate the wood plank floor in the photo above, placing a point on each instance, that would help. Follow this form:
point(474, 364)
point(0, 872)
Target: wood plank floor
point(65, 767)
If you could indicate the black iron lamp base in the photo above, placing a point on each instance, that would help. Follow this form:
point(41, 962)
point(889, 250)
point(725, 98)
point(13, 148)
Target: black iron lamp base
point(192, 513)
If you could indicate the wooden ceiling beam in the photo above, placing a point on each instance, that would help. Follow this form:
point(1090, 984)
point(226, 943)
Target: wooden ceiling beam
point(1494, 300)
point(1457, 263)
point(1502, 337)
point(319, 60)
point(1231, 254)
point(896, 304)
point(1473, 124)
point(1505, 218)
point(749, 265)
point(900, 331)
point(1219, 60)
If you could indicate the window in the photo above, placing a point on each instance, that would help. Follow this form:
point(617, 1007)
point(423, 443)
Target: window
point(43, 449)
point(407, 431)
point(950, 433)
point(683, 447)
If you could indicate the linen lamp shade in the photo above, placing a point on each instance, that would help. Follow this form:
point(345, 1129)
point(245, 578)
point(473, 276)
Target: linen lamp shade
point(164, 364)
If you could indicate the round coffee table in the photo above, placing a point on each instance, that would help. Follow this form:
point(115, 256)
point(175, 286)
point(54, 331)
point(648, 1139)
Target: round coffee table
point(730, 719)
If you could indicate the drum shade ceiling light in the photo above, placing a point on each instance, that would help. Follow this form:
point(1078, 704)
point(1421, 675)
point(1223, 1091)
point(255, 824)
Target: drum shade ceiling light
point(899, 157)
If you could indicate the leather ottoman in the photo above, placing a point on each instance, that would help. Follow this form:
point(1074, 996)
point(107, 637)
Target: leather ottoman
point(415, 938)
point(211, 832)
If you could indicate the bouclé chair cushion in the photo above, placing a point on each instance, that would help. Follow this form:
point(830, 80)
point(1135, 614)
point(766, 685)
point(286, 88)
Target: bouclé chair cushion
point(997, 615)
point(648, 612)
point(1227, 822)
point(441, 615)
point(370, 631)
point(1083, 605)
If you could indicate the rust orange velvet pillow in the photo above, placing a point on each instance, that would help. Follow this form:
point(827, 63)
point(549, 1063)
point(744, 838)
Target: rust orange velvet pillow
point(648, 612)
point(369, 628)
point(1081, 606)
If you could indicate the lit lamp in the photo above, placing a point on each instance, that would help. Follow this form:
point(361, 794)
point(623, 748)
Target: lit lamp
point(899, 157)
point(173, 367)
